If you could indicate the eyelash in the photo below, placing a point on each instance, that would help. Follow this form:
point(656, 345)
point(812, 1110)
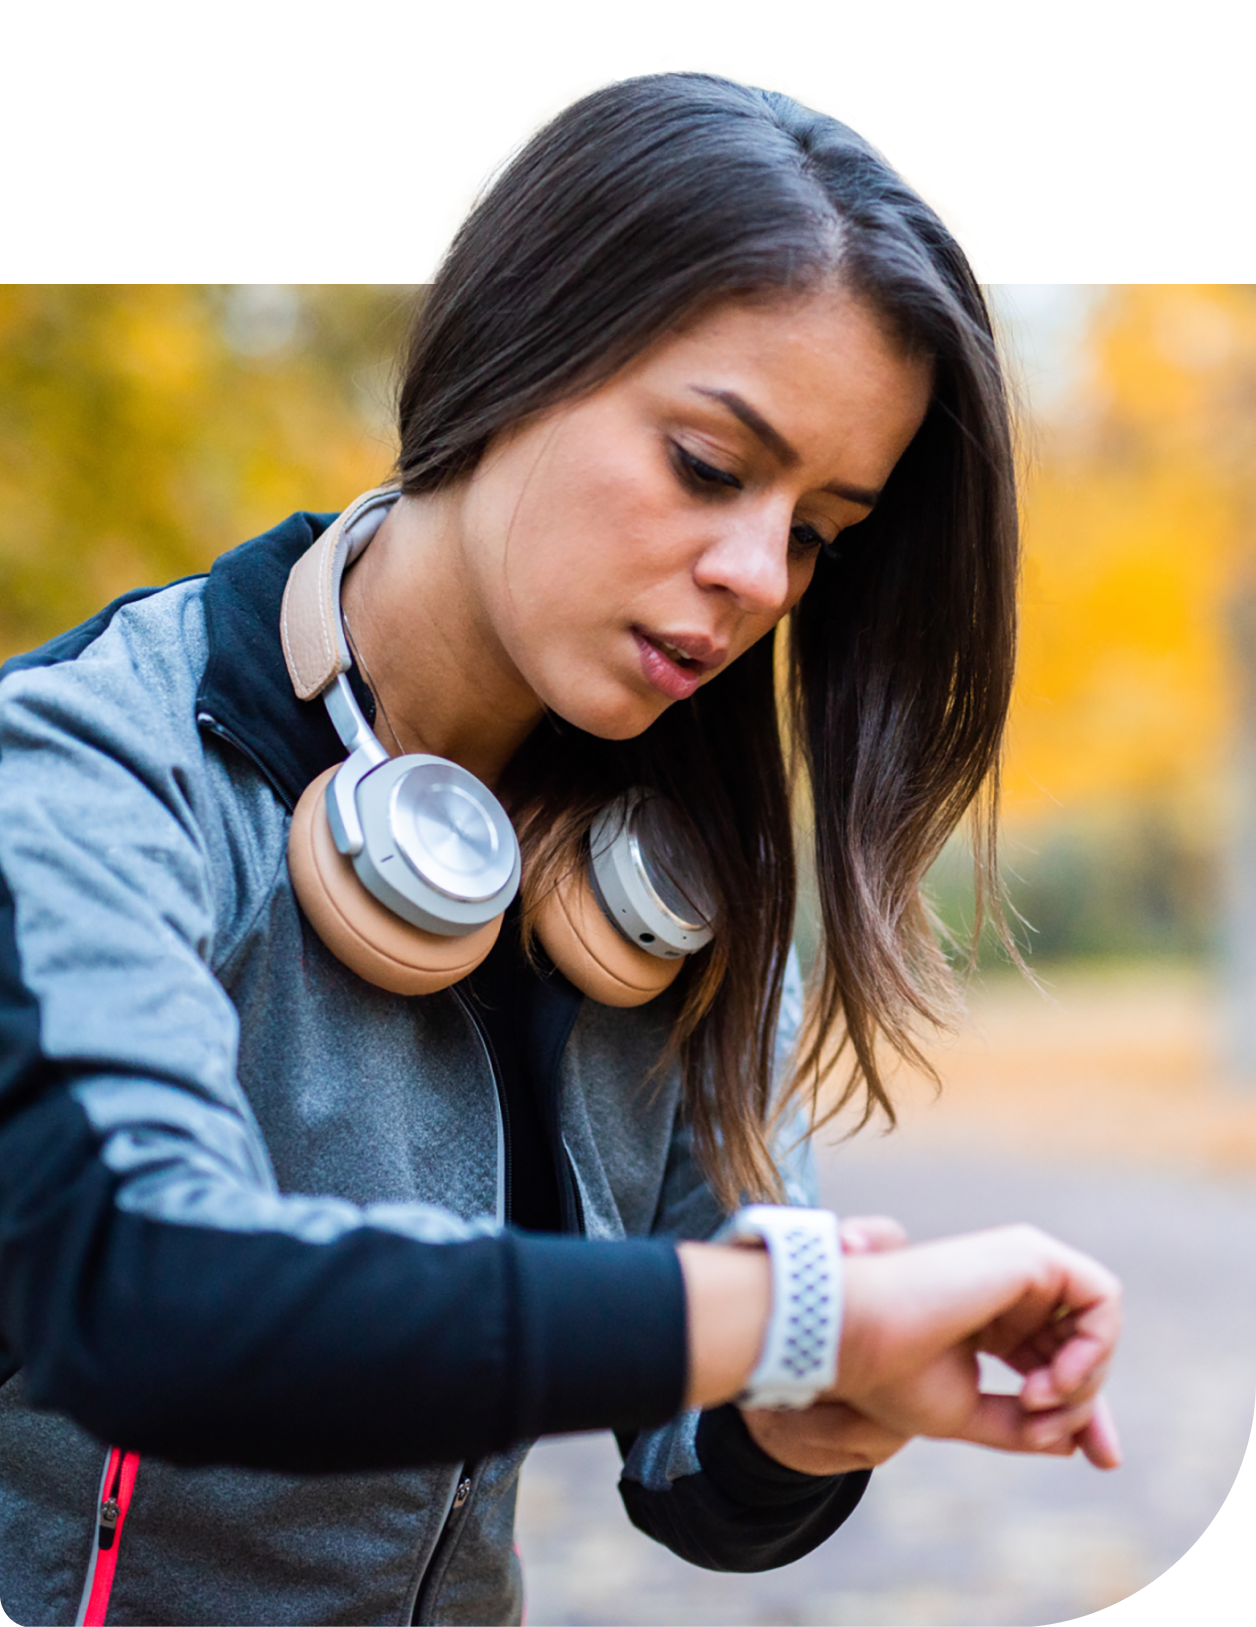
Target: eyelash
point(704, 478)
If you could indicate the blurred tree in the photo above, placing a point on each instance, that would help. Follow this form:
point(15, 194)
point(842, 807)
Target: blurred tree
point(143, 430)
point(1134, 545)
point(1140, 517)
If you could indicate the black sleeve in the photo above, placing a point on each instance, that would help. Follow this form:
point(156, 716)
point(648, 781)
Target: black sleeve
point(742, 1511)
point(256, 1347)
point(158, 1288)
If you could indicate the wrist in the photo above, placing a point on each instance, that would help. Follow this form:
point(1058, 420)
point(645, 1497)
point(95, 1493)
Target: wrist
point(798, 1361)
point(728, 1295)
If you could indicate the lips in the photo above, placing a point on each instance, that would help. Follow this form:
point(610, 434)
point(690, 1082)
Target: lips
point(676, 665)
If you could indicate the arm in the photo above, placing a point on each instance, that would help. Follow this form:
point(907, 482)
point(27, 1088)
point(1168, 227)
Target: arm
point(716, 1499)
point(154, 1282)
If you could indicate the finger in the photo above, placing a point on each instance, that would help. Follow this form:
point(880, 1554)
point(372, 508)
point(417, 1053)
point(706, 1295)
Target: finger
point(1090, 1346)
point(1099, 1439)
point(871, 1234)
point(1040, 1347)
point(1073, 1376)
point(998, 1421)
point(1067, 1359)
point(1045, 1429)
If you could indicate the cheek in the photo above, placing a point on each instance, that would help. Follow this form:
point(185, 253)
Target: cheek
point(585, 539)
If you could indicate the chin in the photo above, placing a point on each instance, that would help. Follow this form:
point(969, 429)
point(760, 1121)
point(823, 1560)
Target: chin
point(622, 721)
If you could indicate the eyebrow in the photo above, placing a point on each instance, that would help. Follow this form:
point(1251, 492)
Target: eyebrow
point(776, 443)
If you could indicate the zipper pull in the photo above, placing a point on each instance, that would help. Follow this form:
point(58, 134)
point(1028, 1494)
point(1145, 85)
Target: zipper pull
point(460, 1496)
point(108, 1522)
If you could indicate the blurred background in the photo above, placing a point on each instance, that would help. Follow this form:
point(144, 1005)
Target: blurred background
point(145, 430)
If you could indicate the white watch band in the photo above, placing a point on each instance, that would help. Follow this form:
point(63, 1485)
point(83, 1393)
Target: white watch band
point(799, 1356)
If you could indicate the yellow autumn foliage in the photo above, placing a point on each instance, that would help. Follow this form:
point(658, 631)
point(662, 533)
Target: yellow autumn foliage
point(143, 430)
point(1138, 510)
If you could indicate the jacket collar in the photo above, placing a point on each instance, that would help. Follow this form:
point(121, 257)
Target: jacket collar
point(246, 695)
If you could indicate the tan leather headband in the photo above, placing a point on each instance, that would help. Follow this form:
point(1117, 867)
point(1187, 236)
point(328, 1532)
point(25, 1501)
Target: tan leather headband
point(309, 624)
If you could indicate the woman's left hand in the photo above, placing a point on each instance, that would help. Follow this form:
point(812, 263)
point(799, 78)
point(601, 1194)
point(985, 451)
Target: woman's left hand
point(916, 1320)
point(834, 1438)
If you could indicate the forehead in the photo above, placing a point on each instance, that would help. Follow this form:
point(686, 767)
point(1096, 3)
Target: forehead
point(821, 367)
point(829, 321)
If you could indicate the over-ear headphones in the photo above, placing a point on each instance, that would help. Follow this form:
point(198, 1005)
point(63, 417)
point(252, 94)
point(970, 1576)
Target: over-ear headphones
point(404, 865)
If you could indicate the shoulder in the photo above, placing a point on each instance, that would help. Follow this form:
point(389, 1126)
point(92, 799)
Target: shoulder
point(139, 659)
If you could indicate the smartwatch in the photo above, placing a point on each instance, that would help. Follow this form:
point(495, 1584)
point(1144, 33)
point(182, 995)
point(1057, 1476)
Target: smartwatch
point(799, 1355)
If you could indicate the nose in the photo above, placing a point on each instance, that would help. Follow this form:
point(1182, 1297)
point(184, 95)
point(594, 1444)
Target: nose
point(750, 560)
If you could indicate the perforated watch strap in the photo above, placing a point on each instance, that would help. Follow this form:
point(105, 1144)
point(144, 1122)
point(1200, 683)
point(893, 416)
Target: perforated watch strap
point(800, 1346)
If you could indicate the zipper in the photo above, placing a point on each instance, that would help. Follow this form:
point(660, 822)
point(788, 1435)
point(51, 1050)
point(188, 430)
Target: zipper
point(117, 1485)
point(573, 1217)
point(503, 1108)
point(211, 725)
point(461, 1484)
point(456, 1499)
point(208, 722)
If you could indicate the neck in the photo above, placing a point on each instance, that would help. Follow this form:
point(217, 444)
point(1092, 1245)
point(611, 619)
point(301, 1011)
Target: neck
point(442, 681)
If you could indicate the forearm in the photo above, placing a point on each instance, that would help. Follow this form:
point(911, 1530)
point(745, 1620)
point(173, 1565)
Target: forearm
point(289, 1334)
point(728, 1294)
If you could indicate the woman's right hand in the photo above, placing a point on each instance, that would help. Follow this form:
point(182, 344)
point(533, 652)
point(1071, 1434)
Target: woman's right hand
point(916, 1317)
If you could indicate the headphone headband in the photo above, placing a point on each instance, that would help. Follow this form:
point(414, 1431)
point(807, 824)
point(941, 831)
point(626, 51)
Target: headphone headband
point(314, 645)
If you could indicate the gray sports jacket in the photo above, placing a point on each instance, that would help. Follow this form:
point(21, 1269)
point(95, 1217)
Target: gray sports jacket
point(253, 1211)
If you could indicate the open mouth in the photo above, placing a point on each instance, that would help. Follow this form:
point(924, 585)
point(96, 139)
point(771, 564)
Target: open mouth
point(690, 663)
point(674, 669)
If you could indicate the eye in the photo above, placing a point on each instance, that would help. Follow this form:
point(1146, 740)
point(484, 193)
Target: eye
point(805, 539)
point(701, 476)
point(708, 480)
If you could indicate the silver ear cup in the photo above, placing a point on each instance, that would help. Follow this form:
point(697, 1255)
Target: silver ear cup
point(426, 838)
point(647, 873)
point(436, 845)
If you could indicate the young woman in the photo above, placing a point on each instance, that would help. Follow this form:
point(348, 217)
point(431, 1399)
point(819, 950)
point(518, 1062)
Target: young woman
point(326, 1187)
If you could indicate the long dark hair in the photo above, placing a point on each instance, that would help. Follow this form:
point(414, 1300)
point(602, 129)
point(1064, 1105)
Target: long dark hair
point(623, 219)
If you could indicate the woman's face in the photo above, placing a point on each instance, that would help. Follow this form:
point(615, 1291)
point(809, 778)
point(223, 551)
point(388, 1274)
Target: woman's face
point(626, 546)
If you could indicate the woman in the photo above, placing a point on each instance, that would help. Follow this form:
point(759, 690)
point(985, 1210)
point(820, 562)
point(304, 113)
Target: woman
point(287, 1231)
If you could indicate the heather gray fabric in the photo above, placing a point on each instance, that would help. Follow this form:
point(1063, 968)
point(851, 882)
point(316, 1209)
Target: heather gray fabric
point(242, 1078)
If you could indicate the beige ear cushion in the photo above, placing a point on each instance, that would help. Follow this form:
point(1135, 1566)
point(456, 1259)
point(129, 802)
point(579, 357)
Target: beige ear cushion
point(590, 953)
point(357, 928)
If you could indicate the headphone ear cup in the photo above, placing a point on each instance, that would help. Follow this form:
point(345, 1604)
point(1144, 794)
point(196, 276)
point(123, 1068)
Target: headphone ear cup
point(360, 931)
point(592, 953)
